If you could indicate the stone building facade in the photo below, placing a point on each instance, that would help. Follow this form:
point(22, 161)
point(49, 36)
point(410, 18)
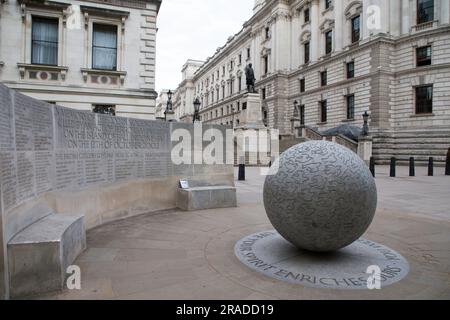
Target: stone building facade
point(337, 60)
point(94, 55)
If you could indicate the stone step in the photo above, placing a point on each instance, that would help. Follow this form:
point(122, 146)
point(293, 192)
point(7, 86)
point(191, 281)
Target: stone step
point(39, 255)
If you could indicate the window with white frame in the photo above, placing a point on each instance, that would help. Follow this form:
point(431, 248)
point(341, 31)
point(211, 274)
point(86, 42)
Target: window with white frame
point(44, 41)
point(104, 47)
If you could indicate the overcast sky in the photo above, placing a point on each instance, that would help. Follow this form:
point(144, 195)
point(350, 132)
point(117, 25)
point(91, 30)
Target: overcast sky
point(194, 29)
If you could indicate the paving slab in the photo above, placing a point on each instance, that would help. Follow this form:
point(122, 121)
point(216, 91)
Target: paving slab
point(190, 255)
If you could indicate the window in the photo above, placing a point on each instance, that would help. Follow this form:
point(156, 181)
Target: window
point(44, 41)
point(266, 64)
point(240, 58)
point(263, 93)
point(328, 42)
point(104, 109)
point(223, 70)
point(356, 28)
point(350, 70)
point(323, 78)
point(306, 15)
point(423, 56)
point(267, 30)
point(307, 52)
point(248, 53)
point(240, 83)
point(424, 99)
point(425, 11)
point(213, 78)
point(351, 107)
point(328, 4)
point(323, 111)
point(302, 85)
point(104, 47)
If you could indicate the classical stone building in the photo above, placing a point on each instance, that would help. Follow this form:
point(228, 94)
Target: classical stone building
point(161, 104)
point(336, 60)
point(91, 55)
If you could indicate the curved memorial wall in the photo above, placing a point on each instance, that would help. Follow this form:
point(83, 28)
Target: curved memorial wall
point(69, 161)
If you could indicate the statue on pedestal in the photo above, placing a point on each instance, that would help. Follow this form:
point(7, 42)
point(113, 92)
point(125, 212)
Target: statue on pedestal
point(250, 77)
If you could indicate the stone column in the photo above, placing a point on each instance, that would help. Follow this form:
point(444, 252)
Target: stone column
point(315, 32)
point(365, 33)
point(445, 12)
point(405, 12)
point(338, 26)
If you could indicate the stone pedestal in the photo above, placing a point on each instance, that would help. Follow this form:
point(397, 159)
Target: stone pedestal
point(295, 127)
point(251, 115)
point(365, 148)
point(170, 116)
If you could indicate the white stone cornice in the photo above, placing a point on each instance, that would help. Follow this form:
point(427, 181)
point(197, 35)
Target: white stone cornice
point(265, 51)
point(303, 5)
point(327, 25)
point(353, 9)
point(305, 36)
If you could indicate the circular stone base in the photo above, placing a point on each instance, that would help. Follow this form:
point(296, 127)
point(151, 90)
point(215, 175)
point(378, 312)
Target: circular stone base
point(273, 256)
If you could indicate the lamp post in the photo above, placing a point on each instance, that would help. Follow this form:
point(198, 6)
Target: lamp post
point(197, 104)
point(169, 114)
point(296, 119)
point(232, 115)
point(365, 131)
point(296, 109)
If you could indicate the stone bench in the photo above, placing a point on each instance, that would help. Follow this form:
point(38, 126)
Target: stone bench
point(39, 255)
point(201, 196)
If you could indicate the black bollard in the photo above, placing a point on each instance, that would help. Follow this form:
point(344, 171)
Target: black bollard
point(242, 172)
point(372, 166)
point(447, 164)
point(431, 167)
point(412, 167)
point(393, 167)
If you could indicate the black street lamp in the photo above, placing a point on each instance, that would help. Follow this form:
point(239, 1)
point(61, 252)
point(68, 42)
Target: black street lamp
point(169, 106)
point(365, 131)
point(197, 104)
point(296, 109)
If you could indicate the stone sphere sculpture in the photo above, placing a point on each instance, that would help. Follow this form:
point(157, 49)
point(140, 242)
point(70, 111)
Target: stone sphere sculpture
point(320, 196)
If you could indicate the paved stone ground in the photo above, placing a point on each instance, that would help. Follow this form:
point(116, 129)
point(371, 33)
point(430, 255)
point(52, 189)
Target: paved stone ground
point(178, 255)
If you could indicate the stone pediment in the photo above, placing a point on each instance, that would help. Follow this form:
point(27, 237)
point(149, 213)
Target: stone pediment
point(265, 51)
point(305, 36)
point(327, 25)
point(353, 9)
